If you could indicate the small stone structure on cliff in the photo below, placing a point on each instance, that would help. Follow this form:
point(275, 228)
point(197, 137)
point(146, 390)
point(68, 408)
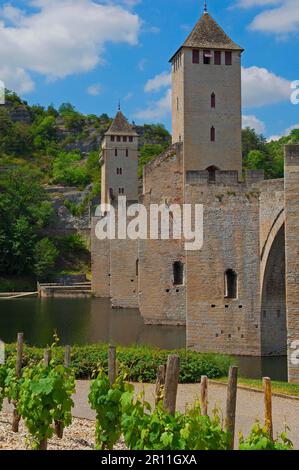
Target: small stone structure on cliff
point(239, 294)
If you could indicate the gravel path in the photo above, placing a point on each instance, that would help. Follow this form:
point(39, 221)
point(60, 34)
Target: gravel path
point(250, 405)
point(81, 434)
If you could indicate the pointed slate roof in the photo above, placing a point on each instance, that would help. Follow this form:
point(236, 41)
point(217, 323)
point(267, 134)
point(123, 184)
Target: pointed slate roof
point(208, 34)
point(121, 126)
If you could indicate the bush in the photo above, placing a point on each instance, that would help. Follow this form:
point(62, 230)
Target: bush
point(68, 170)
point(45, 256)
point(140, 363)
point(259, 439)
point(147, 429)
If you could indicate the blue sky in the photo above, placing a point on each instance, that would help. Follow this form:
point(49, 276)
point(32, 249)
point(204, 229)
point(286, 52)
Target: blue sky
point(93, 53)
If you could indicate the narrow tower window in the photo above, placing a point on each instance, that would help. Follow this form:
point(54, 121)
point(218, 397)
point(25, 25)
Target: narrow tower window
point(127, 152)
point(213, 134)
point(137, 267)
point(228, 58)
point(217, 57)
point(212, 173)
point(213, 100)
point(195, 56)
point(115, 152)
point(178, 273)
point(231, 284)
point(207, 57)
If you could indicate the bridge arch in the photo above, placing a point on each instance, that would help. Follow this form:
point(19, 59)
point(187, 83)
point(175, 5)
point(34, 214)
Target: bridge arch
point(273, 292)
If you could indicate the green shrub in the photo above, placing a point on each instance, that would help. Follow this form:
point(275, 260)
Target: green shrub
point(68, 170)
point(147, 429)
point(106, 401)
point(259, 439)
point(140, 363)
point(45, 256)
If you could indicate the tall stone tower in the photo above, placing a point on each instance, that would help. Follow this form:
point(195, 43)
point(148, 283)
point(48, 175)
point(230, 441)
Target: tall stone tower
point(119, 161)
point(206, 98)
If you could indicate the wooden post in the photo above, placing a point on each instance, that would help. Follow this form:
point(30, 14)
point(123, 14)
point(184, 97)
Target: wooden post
point(160, 382)
point(67, 361)
point(67, 357)
point(231, 403)
point(47, 357)
point(19, 360)
point(268, 405)
point(204, 394)
point(43, 444)
point(112, 364)
point(171, 383)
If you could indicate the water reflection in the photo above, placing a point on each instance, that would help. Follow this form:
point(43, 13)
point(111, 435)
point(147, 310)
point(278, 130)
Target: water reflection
point(81, 321)
point(257, 367)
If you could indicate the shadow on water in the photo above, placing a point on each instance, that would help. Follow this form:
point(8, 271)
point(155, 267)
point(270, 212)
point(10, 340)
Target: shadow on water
point(257, 367)
point(82, 321)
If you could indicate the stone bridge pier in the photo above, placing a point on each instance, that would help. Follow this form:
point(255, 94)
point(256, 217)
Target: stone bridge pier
point(292, 257)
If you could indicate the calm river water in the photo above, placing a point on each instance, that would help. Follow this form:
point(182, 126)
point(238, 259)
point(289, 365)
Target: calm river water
point(81, 321)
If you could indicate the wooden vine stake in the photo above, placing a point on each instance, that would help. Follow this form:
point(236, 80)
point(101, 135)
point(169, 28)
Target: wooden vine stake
point(171, 383)
point(112, 364)
point(67, 357)
point(19, 360)
point(67, 361)
point(160, 382)
point(231, 403)
point(204, 394)
point(268, 405)
point(43, 444)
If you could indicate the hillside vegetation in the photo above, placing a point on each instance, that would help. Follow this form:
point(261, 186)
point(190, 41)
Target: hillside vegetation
point(41, 147)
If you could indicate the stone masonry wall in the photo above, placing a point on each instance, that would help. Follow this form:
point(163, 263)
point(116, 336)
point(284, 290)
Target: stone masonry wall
point(292, 256)
point(160, 301)
point(231, 241)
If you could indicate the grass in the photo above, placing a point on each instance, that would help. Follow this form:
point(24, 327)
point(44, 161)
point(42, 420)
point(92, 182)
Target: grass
point(277, 387)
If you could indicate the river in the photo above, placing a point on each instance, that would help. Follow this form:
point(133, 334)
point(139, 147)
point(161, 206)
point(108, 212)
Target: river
point(82, 321)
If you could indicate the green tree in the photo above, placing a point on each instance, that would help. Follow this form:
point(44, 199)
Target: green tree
point(68, 169)
point(45, 257)
point(147, 153)
point(24, 211)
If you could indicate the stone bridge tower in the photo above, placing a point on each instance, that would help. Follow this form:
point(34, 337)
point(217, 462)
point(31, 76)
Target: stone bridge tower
point(206, 98)
point(119, 161)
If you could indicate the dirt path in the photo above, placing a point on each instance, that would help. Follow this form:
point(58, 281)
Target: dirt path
point(249, 406)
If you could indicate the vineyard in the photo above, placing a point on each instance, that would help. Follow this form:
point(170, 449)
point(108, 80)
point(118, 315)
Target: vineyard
point(42, 398)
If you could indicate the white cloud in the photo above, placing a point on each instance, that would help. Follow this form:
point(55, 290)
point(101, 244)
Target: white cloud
point(257, 3)
point(261, 87)
point(282, 18)
point(273, 137)
point(156, 110)
point(141, 65)
point(285, 133)
point(128, 96)
point(254, 123)
point(291, 128)
point(159, 81)
point(95, 89)
point(62, 37)
point(16, 79)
